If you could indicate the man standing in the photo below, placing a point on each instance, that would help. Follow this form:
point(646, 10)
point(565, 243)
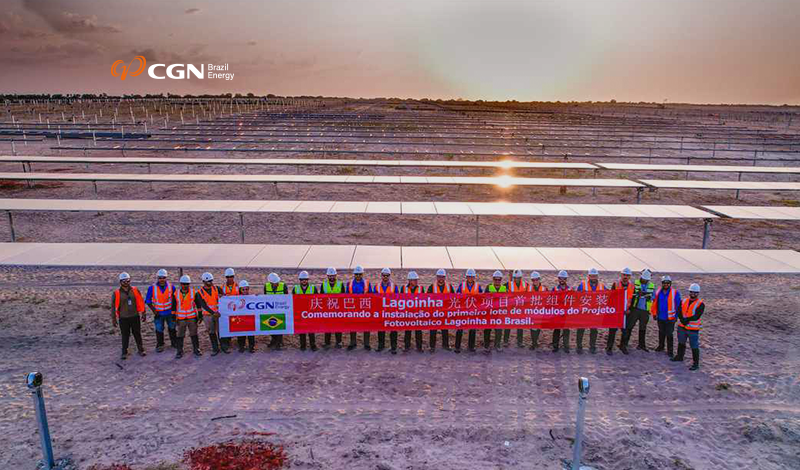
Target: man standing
point(274, 286)
point(358, 285)
point(468, 286)
point(440, 287)
point(534, 286)
point(591, 284)
point(412, 287)
point(188, 315)
point(332, 286)
point(386, 286)
point(127, 310)
point(159, 300)
point(208, 300)
point(665, 309)
point(626, 285)
point(639, 312)
point(690, 324)
point(516, 284)
point(230, 288)
point(559, 334)
point(305, 288)
point(244, 289)
point(495, 287)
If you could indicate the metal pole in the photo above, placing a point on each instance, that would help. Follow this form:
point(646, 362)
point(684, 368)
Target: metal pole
point(11, 226)
point(639, 192)
point(477, 229)
point(706, 232)
point(41, 418)
point(241, 224)
point(583, 387)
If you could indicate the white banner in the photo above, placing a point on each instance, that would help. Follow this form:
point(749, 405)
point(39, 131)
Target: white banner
point(249, 315)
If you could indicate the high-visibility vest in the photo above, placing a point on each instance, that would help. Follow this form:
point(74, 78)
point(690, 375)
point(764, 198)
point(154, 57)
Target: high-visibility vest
point(185, 304)
point(534, 289)
point(162, 300)
point(389, 289)
point(465, 289)
point(212, 299)
point(670, 304)
point(352, 284)
point(437, 290)
point(408, 290)
point(279, 290)
point(137, 297)
point(492, 289)
point(231, 290)
point(337, 288)
point(298, 289)
point(689, 308)
point(648, 287)
point(628, 293)
point(588, 288)
point(512, 287)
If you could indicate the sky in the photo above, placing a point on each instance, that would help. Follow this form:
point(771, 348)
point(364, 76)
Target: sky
point(698, 51)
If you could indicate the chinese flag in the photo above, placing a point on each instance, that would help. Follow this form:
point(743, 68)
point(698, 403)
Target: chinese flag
point(241, 323)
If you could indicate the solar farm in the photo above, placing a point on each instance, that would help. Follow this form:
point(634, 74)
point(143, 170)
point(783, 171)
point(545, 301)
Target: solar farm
point(707, 195)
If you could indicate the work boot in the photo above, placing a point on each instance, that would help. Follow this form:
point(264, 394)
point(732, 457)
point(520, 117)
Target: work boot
point(498, 338)
point(471, 340)
point(487, 338)
point(327, 341)
point(520, 338)
point(610, 351)
point(251, 344)
point(123, 356)
point(312, 341)
point(159, 341)
point(196, 346)
point(695, 359)
point(624, 349)
point(381, 341)
point(393, 342)
point(302, 342)
point(506, 337)
point(459, 338)
point(418, 340)
point(214, 344)
point(353, 340)
point(669, 346)
point(612, 335)
point(225, 345)
point(446, 339)
point(681, 350)
point(240, 341)
point(642, 345)
point(173, 337)
point(534, 339)
point(178, 347)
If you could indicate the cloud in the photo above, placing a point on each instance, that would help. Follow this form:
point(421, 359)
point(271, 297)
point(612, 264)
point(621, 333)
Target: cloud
point(66, 22)
point(251, 43)
point(191, 11)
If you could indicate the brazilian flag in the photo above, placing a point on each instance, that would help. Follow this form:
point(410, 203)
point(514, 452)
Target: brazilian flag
point(272, 321)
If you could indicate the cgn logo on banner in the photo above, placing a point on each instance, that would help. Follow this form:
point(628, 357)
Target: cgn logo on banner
point(248, 315)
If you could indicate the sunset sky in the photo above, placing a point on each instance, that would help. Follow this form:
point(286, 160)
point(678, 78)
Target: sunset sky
point(703, 51)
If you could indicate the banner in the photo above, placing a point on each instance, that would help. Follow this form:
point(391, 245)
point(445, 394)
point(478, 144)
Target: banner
point(333, 313)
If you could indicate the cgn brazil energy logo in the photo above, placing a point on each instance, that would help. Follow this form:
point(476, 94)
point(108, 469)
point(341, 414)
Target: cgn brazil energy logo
point(174, 71)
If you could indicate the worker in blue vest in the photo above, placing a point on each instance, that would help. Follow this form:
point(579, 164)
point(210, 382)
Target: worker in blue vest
point(689, 326)
point(592, 283)
point(665, 309)
point(359, 285)
point(331, 285)
point(386, 287)
point(561, 335)
point(468, 286)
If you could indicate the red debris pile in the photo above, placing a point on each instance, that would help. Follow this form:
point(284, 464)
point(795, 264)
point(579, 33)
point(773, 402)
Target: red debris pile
point(244, 455)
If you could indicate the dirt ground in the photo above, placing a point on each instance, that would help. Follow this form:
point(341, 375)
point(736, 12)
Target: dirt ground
point(367, 410)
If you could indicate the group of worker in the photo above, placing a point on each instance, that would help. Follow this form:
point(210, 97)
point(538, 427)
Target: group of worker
point(183, 308)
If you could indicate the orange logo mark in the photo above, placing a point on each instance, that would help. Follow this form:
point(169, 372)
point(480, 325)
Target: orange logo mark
point(125, 67)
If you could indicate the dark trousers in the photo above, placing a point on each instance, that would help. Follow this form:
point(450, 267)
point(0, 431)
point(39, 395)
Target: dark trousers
point(312, 340)
point(417, 339)
point(354, 338)
point(338, 338)
point(131, 326)
point(634, 316)
point(506, 336)
point(251, 342)
point(666, 328)
point(534, 338)
point(561, 336)
point(392, 340)
point(459, 337)
point(592, 338)
point(471, 339)
point(487, 337)
point(445, 339)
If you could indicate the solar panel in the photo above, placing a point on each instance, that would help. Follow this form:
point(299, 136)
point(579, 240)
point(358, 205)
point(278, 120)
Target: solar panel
point(477, 257)
point(758, 212)
point(663, 260)
point(569, 258)
point(699, 168)
point(709, 261)
point(756, 261)
point(742, 185)
point(323, 256)
point(426, 257)
point(522, 258)
point(377, 257)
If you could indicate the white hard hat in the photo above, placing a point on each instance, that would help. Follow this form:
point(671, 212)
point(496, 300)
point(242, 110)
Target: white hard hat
point(332, 271)
point(207, 277)
point(243, 283)
point(593, 272)
point(356, 270)
point(274, 278)
point(230, 272)
point(162, 273)
point(517, 273)
point(124, 276)
point(646, 275)
point(185, 279)
point(497, 274)
point(303, 275)
point(412, 275)
point(694, 287)
point(470, 272)
point(627, 271)
point(563, 274)
point(441, 272)
point(386, 271)
point(535, 275)
point(666, 278)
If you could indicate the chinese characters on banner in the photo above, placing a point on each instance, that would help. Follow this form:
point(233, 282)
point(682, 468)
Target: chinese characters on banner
point(372, 312)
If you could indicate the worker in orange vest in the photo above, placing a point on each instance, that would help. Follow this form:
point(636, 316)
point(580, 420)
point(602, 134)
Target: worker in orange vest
point(665, 309)
point(208, 300)
point(516, 284)
point(468, 286)
point(412, 287)
point(188, 315)
point(127, 311)
point(591, 284)
point(440, 287)
point(626, 285)
point(689, 326)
